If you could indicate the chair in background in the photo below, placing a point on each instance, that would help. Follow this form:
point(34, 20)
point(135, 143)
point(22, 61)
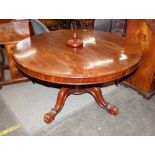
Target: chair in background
point(11, 32)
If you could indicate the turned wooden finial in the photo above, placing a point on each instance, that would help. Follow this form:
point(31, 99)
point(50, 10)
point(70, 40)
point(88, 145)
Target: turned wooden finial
point(75, 42)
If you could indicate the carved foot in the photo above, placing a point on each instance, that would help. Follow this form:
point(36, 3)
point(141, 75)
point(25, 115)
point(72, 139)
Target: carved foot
point(49, 117)
point(62, 95)
point(97, 94)
point(112, 109)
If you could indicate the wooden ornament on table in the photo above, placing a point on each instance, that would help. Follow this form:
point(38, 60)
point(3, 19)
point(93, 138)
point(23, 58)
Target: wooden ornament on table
point(75, 42)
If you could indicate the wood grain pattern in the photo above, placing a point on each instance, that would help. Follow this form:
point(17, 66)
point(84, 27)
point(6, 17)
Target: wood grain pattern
point(14, 31)
point(103, 57)
point(142, 33)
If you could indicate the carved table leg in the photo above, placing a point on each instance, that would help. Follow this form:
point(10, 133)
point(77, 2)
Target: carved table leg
point(97, 94)
point(63, 94)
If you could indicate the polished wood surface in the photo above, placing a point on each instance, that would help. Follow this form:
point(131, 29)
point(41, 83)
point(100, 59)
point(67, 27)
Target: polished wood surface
point(14, 31)
point(103, 57)
point(11, 32)
point(142, 33)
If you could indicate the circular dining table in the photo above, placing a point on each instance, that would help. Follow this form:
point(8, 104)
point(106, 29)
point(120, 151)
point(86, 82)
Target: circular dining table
point(104, 57)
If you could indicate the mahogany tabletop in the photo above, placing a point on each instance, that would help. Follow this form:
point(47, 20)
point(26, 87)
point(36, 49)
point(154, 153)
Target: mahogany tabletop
point(104, 57)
